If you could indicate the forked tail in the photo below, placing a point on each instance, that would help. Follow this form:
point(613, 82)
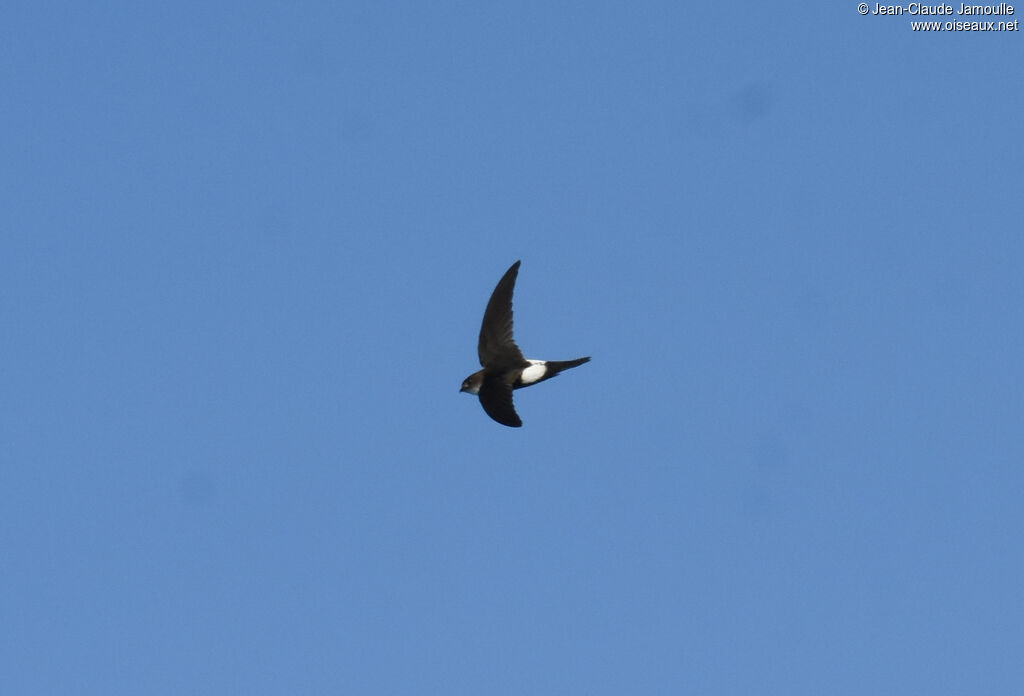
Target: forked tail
point(556, 366)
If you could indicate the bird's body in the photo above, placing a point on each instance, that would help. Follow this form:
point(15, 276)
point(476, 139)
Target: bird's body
point(504, 367)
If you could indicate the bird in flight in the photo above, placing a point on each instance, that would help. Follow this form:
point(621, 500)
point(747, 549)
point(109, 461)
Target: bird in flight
point(505, 368)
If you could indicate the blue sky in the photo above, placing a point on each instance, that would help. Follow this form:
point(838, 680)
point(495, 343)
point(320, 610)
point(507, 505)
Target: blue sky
point(244, 254)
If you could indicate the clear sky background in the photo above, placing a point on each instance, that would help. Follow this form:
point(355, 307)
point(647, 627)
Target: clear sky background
point(245, 252)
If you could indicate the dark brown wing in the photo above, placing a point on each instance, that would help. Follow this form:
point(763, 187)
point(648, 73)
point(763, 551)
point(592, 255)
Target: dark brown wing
point(496, 346)
point(496, 398)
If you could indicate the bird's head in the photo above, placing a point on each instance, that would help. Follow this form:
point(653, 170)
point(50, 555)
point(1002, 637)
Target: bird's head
point(473, 383)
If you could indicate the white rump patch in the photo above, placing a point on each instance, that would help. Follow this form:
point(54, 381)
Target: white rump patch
point(535, 372)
